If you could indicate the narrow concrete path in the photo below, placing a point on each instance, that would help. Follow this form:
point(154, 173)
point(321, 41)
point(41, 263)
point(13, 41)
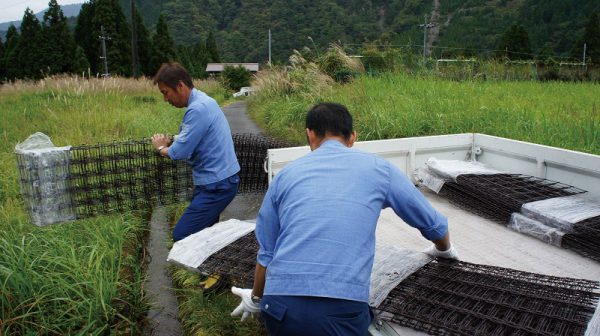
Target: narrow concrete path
point(242, 207)
point(162, 316)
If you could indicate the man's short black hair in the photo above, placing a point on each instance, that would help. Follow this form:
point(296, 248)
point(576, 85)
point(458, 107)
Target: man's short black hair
point(171, 74)
point(332, 118)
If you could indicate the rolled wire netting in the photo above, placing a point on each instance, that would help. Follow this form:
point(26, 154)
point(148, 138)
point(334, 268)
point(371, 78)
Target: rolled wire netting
point(127, 175)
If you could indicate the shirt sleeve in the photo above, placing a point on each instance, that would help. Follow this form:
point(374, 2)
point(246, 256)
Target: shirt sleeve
point(193, 128)
point(267, 227)
point(410, 205)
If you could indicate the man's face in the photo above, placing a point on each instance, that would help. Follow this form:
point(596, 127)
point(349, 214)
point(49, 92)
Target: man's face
point(177, 98)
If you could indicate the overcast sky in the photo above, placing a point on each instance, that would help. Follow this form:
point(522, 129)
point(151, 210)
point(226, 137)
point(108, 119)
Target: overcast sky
point(13, 10)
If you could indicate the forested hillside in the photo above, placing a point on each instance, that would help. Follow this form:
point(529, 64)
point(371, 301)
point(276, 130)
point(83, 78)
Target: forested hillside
point(466, 27)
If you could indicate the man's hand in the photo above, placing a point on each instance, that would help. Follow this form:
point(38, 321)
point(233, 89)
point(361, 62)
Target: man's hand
point(448, 254)
point(160, 140)
point(246, 307)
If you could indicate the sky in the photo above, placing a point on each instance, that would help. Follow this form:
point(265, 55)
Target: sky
point(12, 10)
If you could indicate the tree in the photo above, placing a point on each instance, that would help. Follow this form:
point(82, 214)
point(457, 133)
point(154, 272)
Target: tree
point(515, 44)
point(108, 15)
point(235, 77)
point(57, 43)
point(164, 47)
point(83, 34)
point(2, 66)
point(144, 45)
point(591, 38)
point(27, 54)
point(12, 39)
point(211, 48)
point(80, 61)
point(105, 14)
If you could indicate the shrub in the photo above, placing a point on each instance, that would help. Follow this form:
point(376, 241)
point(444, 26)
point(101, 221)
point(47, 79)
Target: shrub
point(235, 78)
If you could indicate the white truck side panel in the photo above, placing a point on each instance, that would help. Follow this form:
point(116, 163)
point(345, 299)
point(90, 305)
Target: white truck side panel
point(406, 153)
point(574, 168)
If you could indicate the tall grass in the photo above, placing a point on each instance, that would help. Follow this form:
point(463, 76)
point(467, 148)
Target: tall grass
point(86, 276)
point(561, 114)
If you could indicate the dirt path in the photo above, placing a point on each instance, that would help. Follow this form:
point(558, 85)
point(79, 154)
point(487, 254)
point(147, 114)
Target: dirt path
point(162, 316)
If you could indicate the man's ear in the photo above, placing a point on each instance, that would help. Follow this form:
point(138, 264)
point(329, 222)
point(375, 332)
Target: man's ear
point(352, 139)
point(311, 138)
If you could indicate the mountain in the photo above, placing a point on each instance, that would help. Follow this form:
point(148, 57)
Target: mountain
point(460, 27)
point(69, 11)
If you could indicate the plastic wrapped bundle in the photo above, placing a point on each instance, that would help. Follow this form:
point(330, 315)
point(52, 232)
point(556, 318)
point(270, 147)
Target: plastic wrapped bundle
point(44, 179)
point(537, 229)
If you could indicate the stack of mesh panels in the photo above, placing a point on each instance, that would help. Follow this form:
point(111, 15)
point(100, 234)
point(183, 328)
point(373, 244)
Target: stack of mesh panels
point(458, 298)
point(497, 196)
point(121, 176)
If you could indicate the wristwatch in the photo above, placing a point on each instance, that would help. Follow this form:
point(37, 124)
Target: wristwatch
point(160, 148)
point(255, 299)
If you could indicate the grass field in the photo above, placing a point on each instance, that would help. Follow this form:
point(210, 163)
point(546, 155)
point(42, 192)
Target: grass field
point(83, 277)
point(561, 114)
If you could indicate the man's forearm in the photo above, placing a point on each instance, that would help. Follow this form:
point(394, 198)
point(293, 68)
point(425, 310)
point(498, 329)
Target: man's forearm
point(259, 280)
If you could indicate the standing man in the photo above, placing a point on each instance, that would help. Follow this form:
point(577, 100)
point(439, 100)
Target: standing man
point(316, 232)
point(205, 142)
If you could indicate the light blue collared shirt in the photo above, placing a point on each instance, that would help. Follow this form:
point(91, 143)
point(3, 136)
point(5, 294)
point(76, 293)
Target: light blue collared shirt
point(316, 226)
point(205, 141)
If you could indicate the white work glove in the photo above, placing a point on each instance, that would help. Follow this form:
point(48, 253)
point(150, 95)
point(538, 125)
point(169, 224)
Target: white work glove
point(246, 307)
point(448, 254)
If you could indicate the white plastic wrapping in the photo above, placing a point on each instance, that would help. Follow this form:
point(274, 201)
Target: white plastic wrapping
point(593, 327)
point(44, 181)
point(194, 249)
point(563, 212)
point(437, 172)
point(535, 228)
point(450, 169)
point(391, 266)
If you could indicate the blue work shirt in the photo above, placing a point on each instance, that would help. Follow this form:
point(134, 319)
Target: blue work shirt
point(316, 225)
point(205, 141)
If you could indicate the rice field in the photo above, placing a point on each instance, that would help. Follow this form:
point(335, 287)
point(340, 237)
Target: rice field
point(395, 105)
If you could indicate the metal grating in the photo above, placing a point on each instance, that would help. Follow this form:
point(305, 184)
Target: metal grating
point(460, 298)
point(584, 238)
point(236, 261)
point(127, 175)
point(497, 196)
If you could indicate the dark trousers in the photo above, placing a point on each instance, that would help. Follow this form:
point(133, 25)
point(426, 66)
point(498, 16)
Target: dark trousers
point(308, 315)
point(208, 201)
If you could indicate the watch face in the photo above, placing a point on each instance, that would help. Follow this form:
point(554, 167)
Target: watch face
point(256, 299)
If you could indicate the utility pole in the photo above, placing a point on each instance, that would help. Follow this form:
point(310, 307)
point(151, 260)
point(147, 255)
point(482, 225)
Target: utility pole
point(135, 69)
point(269, 47)
point(103, 39)
point(584, 50)
point(425, 26)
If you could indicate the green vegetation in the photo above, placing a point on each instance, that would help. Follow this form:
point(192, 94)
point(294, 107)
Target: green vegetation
point(82, 277)
point(397, 105)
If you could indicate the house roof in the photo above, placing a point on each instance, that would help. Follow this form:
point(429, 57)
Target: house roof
point(218, 67)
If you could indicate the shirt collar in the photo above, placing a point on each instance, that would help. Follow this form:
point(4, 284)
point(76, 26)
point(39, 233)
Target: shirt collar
point(332, 143)
point(192, 96)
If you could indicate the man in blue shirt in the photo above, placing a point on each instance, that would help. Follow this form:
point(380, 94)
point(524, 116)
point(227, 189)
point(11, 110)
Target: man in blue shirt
point(205, 142)
point(316, 232)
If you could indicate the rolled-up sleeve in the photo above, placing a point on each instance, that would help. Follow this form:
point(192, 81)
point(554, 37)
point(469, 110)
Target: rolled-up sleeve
point(267, 227)
point(410, 205)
